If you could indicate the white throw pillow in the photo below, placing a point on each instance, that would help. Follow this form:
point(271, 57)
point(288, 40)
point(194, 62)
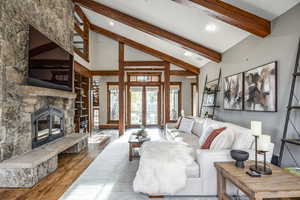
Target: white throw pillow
point(224, 140)
point(243, 137)
point(198, 127)
point(186, 125)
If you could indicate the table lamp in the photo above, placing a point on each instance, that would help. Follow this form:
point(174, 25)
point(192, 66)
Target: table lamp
point(262, 143)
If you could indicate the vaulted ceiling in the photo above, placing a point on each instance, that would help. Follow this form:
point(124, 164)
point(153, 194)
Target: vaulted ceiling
point(187, 21)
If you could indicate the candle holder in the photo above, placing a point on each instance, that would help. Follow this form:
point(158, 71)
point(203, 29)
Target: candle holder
point(263, 170)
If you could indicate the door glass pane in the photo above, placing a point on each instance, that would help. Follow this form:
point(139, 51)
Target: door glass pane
point(151, 104)
point(43, 127)
point(174, 102)
point(96, 118)
point(195, 100)
point(136, 115)
point(114, 103)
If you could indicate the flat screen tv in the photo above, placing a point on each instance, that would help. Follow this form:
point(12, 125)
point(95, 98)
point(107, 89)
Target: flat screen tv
point(50, 66)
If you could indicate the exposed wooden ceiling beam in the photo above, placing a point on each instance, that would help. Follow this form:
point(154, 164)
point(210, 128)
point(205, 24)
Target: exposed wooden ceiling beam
point(81, 14)
point(145, 49)
point(105, 73)
point(234, 16)
point(150, 29)
point(116, 72)
point(80, 31)
point(144, 63)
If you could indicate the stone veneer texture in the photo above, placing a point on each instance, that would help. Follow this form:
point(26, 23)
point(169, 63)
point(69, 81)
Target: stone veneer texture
point(54, 18)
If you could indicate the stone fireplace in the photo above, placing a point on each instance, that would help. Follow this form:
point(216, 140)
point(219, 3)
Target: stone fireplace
point(36, 124)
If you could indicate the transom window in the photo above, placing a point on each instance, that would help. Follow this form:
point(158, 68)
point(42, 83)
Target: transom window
point(144, 77)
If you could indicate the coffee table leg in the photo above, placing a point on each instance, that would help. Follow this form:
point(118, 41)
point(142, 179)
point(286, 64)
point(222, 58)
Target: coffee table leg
point(221, 186)
point(130, 152)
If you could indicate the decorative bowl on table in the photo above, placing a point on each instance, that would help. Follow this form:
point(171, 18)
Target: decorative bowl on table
point(239, 156)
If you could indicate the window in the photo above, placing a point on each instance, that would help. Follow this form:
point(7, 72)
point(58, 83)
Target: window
point(140, 77)
point(194, 99)
point(113, 102)
point(175, 103)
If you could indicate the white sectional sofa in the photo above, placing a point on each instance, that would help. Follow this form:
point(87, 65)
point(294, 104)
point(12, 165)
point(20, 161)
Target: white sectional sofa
point(202, 177)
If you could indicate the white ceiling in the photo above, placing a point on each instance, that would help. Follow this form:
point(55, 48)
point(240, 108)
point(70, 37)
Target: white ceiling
point(188, 22)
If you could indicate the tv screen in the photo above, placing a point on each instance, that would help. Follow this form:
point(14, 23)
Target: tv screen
point(50, 65)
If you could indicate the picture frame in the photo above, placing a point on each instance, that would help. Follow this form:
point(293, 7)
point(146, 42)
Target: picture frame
point(260, 88)
point(233, 92)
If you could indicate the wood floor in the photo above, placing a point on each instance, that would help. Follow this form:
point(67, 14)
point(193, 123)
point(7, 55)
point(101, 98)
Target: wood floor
point(70, 166)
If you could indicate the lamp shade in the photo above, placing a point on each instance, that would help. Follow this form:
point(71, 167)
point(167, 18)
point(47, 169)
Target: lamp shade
point(263, 143)
point(256, 128)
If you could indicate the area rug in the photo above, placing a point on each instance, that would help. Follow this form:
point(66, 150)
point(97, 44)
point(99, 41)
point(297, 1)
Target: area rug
point(110, 176)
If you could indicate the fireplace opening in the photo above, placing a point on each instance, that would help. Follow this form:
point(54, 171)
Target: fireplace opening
point(47, 125)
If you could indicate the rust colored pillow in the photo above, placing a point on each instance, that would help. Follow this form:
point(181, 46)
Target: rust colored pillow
point(211, 137)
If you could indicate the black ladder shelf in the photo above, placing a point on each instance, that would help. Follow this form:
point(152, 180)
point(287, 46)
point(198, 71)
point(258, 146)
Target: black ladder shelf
point(291, 108)
point(213, 92)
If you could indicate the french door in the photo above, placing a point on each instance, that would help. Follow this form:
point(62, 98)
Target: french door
point(144, 105)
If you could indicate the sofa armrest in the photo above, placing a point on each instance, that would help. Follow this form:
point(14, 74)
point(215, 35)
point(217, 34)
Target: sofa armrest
point(206, 159)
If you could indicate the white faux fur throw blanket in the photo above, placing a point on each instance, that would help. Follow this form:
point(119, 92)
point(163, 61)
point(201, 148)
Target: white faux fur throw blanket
point(162, 167)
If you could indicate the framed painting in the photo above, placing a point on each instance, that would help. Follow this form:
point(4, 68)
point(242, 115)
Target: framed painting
point(233, 92)
point(260, 86)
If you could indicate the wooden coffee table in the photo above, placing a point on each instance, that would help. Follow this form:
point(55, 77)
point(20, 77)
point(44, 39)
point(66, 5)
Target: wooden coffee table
point(134, 143)
point(280, 184)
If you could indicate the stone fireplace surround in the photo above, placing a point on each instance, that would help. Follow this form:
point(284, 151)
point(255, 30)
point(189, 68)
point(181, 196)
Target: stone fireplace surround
point(26, 169)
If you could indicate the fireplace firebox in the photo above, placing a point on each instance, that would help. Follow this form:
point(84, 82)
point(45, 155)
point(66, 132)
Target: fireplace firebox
point(47, 125)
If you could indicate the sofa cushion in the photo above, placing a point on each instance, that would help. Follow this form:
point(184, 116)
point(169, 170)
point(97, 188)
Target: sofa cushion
point(191, 140)
point(211, 137)
point(175, 133)
point(198, 127)
point(186, 125)
point(224, 140)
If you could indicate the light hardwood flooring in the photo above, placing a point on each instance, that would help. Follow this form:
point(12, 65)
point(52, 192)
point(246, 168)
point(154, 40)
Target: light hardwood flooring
point(70, 166)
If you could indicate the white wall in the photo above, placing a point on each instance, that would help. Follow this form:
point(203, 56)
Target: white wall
point(186, 92)
point(280, 46)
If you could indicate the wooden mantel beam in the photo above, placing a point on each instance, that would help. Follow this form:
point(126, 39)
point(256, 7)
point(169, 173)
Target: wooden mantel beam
point(150, 29)
point(234, 16)
point(145, 49)
point(144, 63)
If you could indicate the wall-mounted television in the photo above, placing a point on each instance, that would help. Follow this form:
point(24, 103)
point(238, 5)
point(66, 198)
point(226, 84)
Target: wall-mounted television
point(50, 66)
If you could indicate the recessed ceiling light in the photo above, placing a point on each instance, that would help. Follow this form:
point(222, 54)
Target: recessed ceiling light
point(211, 27)
point(111, 23)
point(188, 53)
